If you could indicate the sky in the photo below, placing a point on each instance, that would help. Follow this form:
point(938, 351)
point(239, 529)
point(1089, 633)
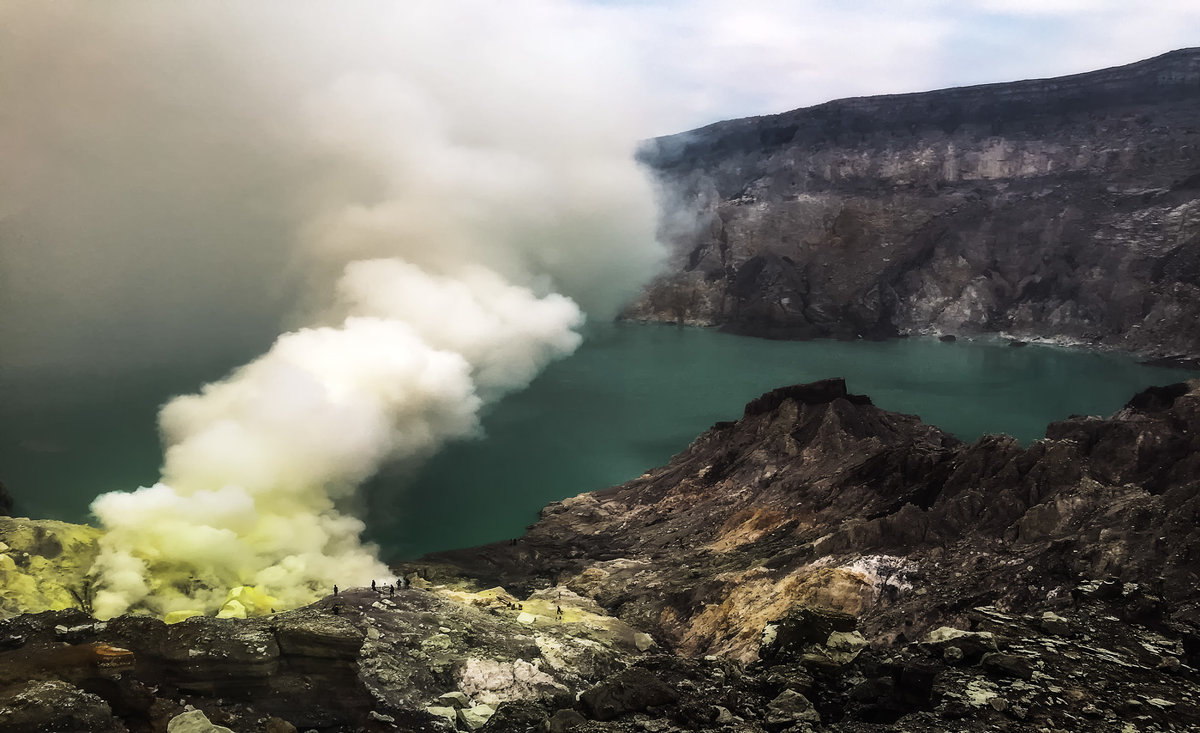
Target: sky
point(715, 59)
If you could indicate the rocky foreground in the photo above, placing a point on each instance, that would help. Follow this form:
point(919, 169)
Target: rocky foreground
point(819, 564)
point(1064, 208)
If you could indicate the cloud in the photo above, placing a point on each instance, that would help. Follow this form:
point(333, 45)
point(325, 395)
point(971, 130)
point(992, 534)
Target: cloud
point(715, 60)
point(148, 147)
point(450, 187)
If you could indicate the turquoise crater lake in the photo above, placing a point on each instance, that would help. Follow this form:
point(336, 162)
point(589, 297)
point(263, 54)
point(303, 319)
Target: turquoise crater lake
point(636, 394)
point(629, 399)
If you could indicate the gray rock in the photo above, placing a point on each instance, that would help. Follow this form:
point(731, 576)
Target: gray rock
point(630, 691)
point(802, 627)
point(194, 721)
point(442, 711)
point(565, 720)
point(474, 717)
point(1052, 623)
point(1011, 665)
point(791, 707)
point(518, 716)
point(973, 644)
point(455, 700)
point(952, 655)
point(52, 705)
point(724, 717)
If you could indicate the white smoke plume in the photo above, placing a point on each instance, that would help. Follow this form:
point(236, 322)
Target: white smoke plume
point(453, 182)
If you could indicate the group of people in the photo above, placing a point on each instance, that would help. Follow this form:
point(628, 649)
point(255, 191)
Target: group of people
point(380, 588)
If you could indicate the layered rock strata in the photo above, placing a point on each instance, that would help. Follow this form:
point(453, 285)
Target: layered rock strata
point(1064, 208)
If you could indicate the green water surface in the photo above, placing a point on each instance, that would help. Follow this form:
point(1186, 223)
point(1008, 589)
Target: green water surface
point(634, 395)
point(630, 398)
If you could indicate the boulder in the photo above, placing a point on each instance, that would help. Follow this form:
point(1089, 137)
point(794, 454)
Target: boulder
point(631, 691)
point(788, 637)
point(454, 700)
point(53, 705)
point(566, 720)
point(1009, 665)
point(474, 717)
point(791, 707)
point(518, 716)
point(972, 644)
point(1052, 623)
point(194, 721)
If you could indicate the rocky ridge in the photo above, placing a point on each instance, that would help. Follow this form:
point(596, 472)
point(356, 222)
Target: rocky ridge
point(818, 564)
point(1054, 209)
point(816, 499)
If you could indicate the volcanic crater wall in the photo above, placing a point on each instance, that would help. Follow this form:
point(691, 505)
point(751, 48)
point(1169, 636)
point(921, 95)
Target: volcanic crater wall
point(1064, 208)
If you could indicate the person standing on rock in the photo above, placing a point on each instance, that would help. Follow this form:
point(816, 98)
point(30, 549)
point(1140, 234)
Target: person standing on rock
point(335, 590)
point(372, 585)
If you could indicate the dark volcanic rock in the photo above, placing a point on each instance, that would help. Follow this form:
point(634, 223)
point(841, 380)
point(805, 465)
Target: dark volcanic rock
point(818, 564)
point(1065, 207)
point(6, 501)
point(51, 705)
point(631, 691)
point(891, 575)
point(824, 500)
point(361, 661)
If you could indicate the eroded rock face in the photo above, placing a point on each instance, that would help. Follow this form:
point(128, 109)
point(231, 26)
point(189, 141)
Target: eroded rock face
point(817, 497)
point(871, 570)
point(1060, 208)
point(52, 705)
point(362, 660)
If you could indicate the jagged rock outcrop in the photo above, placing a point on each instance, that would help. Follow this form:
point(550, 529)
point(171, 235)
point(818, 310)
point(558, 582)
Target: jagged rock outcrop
point(886, 571)
point(816, 496)
point(1056, 208)
point(420, 658)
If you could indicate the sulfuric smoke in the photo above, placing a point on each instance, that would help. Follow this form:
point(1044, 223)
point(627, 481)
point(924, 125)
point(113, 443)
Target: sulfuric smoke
point(453, 183)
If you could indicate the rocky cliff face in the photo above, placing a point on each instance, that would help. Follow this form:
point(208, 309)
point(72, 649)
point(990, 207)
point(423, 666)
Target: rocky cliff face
point(1058, 208)
point(421, 658)
point(815, 499)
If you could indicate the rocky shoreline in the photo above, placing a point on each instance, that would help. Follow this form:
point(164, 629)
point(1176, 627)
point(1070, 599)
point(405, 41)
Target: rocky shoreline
point(818, 564)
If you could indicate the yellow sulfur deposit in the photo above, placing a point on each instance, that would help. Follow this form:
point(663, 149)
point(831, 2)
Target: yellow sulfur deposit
point(246, 600)
point(175, 617)
point(44, 565)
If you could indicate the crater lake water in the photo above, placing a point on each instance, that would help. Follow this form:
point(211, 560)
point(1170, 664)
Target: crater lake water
point(632, 396)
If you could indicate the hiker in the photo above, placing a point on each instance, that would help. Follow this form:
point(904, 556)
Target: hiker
point(558, 612)
point(372, 585)
point(335, 590)
point(392, 590)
